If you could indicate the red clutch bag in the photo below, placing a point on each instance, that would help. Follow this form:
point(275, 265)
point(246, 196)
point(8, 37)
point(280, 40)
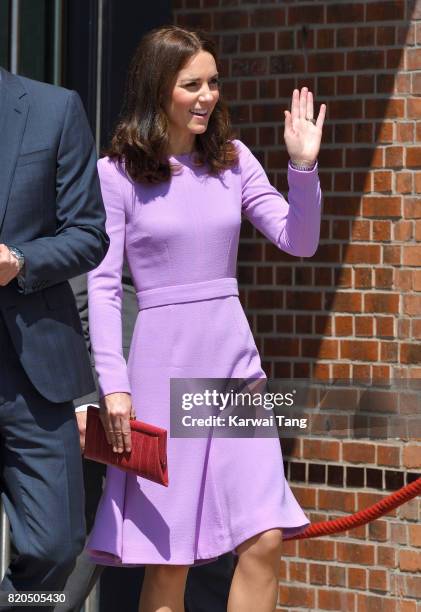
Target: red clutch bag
point(148, 457)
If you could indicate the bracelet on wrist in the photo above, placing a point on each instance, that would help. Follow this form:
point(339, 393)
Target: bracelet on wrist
point(302, 165)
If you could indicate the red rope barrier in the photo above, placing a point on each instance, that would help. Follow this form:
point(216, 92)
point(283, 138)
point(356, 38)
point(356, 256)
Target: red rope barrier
point(363, 516)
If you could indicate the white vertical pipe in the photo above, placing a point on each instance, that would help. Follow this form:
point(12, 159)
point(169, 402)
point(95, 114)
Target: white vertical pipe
point(14, 36)
point(57, 45)
point(92, 602)
point(100, 22)
point(14, 68)
point(4, 542)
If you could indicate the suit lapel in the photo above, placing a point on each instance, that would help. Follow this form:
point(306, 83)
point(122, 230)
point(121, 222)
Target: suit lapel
point(14, 107)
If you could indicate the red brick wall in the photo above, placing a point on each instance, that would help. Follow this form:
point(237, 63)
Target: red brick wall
point(354, 309)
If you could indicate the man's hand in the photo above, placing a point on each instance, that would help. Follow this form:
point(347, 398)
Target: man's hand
point(9, 266)
point(115, 412)
point(81, 423)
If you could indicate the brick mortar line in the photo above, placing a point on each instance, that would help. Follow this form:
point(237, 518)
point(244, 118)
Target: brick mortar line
point(253, 8)
point(377, 121)
point(342, 361)
point(306, 3)
point(346, 463)
point(344, 98)
point(245, 6)
point(323, 74)
point(261, 53)
point(344, 565)
point(400, 25)
point(352, 565)
point(354, 540)
point(343, 72)
point(337, 242)
point(305, 288)
point(310, 335)
point(346, 145)
point(371, 592)
point(348, 590)
point(310, 51)
point(298, 27)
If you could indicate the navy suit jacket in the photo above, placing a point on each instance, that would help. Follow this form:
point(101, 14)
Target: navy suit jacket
point(51, 209)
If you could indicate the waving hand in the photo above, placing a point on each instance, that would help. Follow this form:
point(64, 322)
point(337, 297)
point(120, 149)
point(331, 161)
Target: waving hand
point(302, 132)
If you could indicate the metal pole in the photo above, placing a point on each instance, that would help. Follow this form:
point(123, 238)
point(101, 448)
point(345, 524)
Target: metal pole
point(58, 31)
point(14, 36)
point(99, 74)
point(14, 67)
point(4, 542)
point(92, 602)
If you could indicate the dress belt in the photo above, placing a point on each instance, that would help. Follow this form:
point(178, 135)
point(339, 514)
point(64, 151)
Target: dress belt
point(192, 292)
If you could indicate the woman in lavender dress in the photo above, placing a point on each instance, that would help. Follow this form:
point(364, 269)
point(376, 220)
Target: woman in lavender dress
point(175, 185)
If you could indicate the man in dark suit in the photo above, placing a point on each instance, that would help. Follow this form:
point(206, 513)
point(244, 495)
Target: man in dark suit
point(207, 586)
point(52, 228)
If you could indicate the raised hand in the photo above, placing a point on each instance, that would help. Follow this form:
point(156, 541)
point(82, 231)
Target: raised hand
point(302, 137)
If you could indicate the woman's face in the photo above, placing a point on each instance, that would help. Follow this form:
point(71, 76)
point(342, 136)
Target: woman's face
point(193, 99)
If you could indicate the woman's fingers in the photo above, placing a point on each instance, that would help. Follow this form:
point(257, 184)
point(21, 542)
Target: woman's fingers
point(321, 117)
point(309, 113)
point(302, 107)
point(116, 435)
point(103, 415)
point(115, 417)
point(121, 433)
point(295, 104)
point(299, 103)
point(303, 102)
point(126, 435)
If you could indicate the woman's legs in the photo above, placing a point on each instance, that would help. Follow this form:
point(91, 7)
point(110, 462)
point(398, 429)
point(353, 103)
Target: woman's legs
point(255, 582)
point(163, 588)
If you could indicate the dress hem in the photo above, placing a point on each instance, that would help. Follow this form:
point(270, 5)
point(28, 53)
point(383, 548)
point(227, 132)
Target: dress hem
point(112, 560)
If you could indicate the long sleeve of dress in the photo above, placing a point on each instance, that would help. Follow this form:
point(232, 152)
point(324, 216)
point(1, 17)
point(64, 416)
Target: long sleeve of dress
point(105, 289)
point(293, 226)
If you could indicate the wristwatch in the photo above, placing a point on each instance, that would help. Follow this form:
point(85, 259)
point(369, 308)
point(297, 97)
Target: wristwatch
point(19, 256)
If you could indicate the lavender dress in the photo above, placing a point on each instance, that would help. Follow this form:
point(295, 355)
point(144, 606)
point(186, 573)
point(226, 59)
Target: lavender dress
point(180, 239)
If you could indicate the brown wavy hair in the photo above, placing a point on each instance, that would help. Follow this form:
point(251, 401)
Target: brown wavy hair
point(140, 140)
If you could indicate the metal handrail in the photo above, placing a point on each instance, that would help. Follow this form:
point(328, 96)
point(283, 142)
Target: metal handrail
point(4, 541)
